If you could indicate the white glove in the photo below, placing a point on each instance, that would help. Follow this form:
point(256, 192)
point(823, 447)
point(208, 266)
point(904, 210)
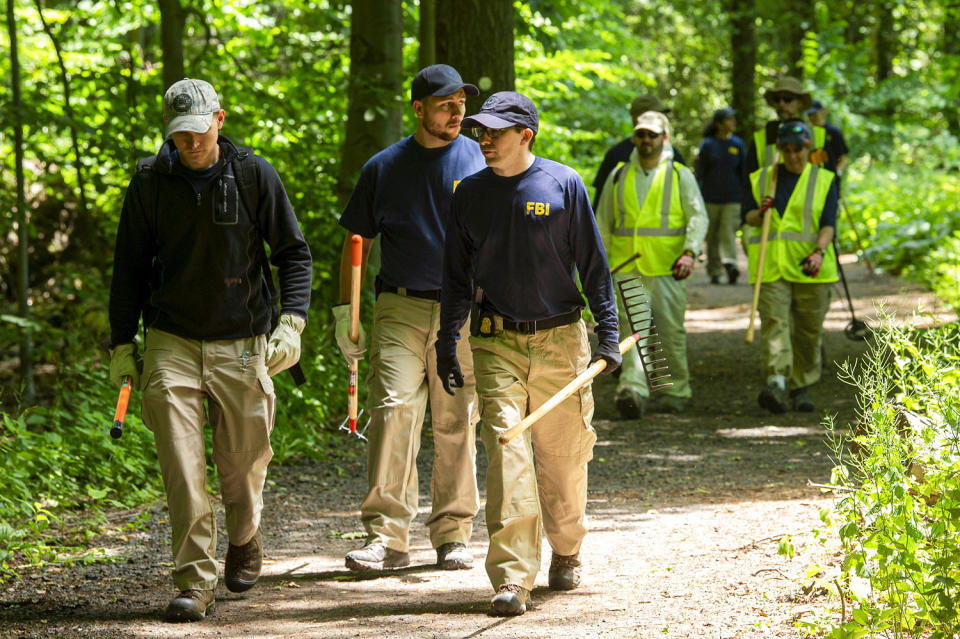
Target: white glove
point(352, 352)
point(283, 347)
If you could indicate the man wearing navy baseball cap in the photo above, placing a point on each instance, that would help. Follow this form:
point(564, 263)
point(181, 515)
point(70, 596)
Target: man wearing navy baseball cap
point(404, 195)
point(520, 231)
point(830, 149)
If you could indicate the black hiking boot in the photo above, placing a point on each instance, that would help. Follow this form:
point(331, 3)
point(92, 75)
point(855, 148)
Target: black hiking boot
point(243, 563)
point(564, 572)
point(190, 605)
point(454, 556)
point(511, 600)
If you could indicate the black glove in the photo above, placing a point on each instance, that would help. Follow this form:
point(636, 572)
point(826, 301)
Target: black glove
point(610, 352)
point(448, 369)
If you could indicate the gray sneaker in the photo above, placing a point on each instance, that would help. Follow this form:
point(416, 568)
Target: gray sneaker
point(241, 568)
point(454, 556)
point(376, 556)
point(511, 600)
point(190, 605)
point(564, 572)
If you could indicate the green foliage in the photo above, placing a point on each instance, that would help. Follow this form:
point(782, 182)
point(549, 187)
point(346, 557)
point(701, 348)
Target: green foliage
point(912, 219)
point(899, 525)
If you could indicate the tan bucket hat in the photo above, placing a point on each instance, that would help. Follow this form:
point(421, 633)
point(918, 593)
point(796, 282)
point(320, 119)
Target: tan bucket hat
point(789, 84)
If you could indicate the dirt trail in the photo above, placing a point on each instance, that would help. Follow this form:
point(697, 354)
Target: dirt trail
point(686, 513)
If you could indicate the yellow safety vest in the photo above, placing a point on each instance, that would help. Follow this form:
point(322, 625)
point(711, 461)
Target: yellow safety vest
point(764, 150)
point(818, 157)
point(792, 236)
point(656, 228)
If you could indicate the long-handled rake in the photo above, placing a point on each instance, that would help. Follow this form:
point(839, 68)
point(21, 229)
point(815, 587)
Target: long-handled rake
point(636, 302)
point(350, 423)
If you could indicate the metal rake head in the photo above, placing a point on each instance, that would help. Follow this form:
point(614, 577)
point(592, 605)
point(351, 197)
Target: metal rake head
point(639, 311)
point(352, 428)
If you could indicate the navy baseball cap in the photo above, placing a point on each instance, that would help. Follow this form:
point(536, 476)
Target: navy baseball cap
point(439, 79)
point(793, 132)
point(815, 106)
point(723, 114)
point(502, 110)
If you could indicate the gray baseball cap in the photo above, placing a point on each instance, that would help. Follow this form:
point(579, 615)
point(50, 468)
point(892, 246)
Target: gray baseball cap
point(188, 106)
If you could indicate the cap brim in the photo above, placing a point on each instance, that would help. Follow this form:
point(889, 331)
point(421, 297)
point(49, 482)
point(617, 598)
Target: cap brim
point(452, 88)
point(193, 123)
point(792, 139)
point(485, 119)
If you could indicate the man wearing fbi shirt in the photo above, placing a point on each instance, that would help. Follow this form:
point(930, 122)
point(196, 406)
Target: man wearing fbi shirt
point(520, 231)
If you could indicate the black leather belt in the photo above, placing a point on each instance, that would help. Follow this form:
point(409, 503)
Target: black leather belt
point(382, 287)
point(529, 328)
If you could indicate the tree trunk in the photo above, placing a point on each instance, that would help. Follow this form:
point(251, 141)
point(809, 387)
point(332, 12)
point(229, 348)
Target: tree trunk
point(172, 21)
point(487, 60)
point(374, 115)
point(427, 52)
point(794, 29)
point(743, 46)
point(23, 236)
point(951, 51)
point(885, 41)
point(68, 110)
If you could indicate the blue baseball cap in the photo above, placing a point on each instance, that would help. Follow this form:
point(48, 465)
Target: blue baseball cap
point(502, 110)
point(793, 132)
point(439, 79)
point(723, 114)
point(815, 106)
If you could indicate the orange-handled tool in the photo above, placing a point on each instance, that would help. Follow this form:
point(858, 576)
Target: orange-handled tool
point(116, 431)
point(356, 244)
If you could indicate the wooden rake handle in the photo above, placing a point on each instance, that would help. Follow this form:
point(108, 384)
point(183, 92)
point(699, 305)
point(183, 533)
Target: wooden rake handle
point(578, 382)
point(356, 243)
point(762, 256)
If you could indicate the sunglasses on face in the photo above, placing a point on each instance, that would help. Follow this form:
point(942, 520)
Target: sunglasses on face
point(785, 99)
point(645, 135)
point(480, 131)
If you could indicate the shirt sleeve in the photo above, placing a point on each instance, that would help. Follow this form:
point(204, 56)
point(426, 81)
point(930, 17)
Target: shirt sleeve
point(694, 209)
point(288, 248)
point(829, 215)
point(456, 292)
point(606, 167)
point(606, 210)
point(359, 215)
point(133, 256)
point(591, 261)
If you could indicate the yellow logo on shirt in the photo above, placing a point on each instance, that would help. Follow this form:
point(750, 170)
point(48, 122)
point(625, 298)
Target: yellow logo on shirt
point(456, 183)
point(734, 150)
point(538, 208)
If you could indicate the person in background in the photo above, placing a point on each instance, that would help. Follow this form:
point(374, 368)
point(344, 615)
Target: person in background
point(653, 207)
point(620, 152)
point(403, 195)
point(799, 267)
point(720, 174)
point(190, 259)
point(789, 100)
point(829, 148)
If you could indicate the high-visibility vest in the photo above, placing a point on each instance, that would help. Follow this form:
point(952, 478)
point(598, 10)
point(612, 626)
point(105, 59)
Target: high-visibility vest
point(818, 156)
point(792, 236)
point(656, 228)
point(764, 150)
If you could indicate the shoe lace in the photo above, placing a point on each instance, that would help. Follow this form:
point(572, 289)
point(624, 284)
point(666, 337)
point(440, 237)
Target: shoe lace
point(565, 561)
point(509, 588)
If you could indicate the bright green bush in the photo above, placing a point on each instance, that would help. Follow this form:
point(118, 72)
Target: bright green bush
point(899, 524)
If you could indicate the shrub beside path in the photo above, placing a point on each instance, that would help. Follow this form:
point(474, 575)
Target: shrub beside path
point(687, 513)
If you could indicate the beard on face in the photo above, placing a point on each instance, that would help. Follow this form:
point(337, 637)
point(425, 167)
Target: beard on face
point(440, 131)
point(648, 150)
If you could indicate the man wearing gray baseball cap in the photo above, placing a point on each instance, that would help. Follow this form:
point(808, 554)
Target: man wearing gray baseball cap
point(190, 261)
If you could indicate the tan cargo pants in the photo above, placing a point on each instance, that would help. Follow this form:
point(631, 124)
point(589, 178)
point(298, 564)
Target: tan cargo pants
point(179, 376)
point(668, 297)
point(791, 330)
point(722, 236)
point(403, 376)
point(517, 373)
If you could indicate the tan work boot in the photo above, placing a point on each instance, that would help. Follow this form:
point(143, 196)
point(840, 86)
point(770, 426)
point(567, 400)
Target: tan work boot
point(564, 572)
point(190, 605)
point(376, 556)
point(511, 600)
point(454, 556)
point(242, 565)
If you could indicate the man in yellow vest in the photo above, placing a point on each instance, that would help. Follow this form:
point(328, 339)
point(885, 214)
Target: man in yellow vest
point(799, 266)
point(652, 206)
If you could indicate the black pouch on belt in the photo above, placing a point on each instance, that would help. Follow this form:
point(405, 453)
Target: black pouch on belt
point(481, 320)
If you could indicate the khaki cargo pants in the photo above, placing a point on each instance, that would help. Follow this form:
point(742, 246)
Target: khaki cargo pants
point(722, 236)
point(791, 330)
point(668, 298)
point(179, 376)
point(517, 373)
point(402, 377)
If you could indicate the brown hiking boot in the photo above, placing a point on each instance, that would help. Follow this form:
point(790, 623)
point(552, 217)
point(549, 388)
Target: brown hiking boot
point(242, 566)
point(454, 556)
point(564, 572)
point(376, 556)
point(190, 605)
point(511, 600)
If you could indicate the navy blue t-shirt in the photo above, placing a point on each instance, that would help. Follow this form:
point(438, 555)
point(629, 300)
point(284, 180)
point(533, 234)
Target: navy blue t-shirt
point(523, 239)
point(834, 145)
point(404, 194)
point(720, 169)
point(786, 182)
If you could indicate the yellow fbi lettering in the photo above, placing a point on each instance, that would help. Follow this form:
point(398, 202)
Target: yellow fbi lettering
point(538, 208)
